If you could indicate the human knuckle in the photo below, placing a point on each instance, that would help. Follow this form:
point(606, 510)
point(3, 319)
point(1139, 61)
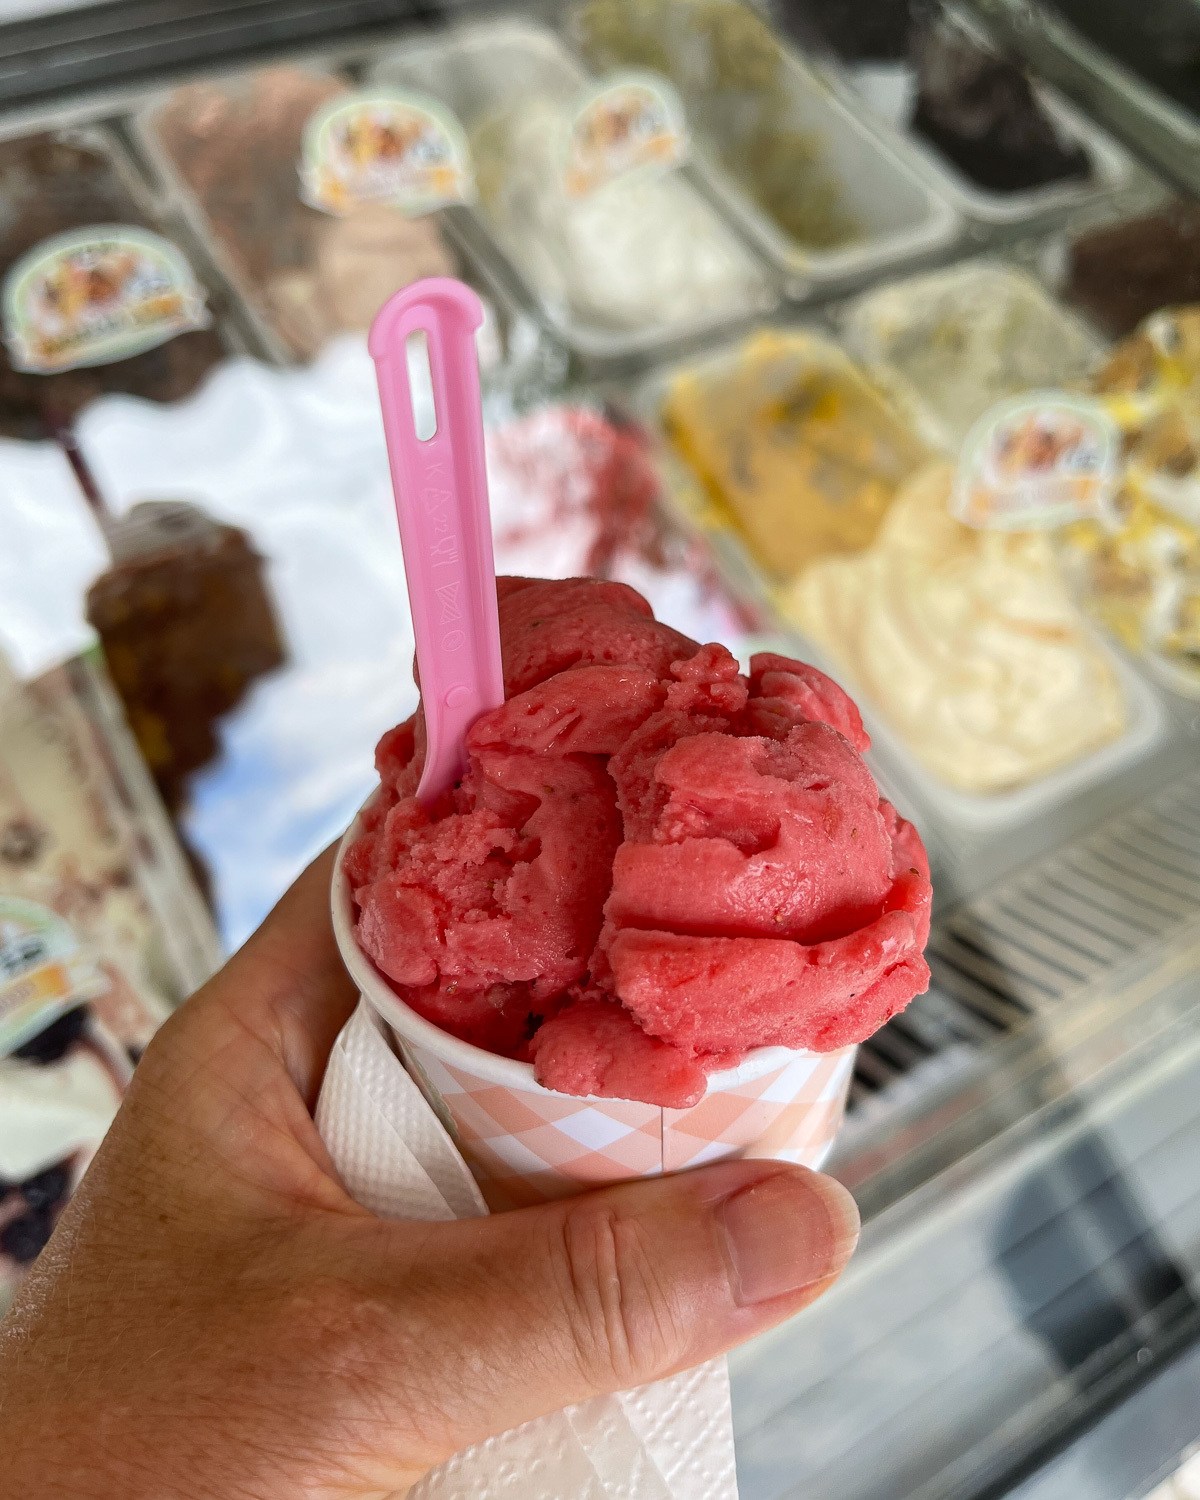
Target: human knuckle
point(624, 1321)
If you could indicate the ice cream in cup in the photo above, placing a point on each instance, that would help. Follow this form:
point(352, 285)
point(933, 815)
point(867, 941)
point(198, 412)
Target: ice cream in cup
point(636, 910)
point(525, 1143)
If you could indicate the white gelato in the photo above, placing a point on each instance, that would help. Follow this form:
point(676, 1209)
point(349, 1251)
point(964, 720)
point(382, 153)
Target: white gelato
point(638, 252)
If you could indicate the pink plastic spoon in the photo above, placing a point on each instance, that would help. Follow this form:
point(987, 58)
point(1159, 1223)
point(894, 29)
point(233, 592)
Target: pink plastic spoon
point(440, 484)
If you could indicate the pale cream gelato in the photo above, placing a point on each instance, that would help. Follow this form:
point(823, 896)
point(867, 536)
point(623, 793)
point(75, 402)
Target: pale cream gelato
point(967, 641)
point(966, 338)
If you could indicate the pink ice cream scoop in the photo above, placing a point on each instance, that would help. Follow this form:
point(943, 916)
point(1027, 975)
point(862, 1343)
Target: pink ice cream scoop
point(651, 863)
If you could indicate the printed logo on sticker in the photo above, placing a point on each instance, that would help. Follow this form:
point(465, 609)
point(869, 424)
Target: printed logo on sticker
point(397, 148)
point(1037, 461)
point(632, 123)
point(42, 972)
point(94, 295)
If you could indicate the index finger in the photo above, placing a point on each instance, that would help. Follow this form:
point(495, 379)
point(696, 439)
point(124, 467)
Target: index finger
point(288, 983)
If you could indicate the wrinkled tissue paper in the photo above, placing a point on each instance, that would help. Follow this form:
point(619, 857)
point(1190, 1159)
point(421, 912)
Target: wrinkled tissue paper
point(672, 1440)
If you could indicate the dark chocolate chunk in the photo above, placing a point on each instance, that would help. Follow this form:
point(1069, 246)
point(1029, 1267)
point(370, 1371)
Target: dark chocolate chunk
point(981, 112)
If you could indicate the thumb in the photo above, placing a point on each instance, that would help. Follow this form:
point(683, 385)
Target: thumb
point(545, 1307)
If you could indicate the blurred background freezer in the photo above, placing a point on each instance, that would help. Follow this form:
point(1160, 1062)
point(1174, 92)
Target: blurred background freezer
point(760, 376)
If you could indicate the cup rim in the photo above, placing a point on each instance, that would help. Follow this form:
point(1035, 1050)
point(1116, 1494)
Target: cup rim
point(419, 1032)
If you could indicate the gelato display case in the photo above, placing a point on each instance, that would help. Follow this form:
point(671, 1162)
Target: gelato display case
point(624, 270)
point(1137, 74)
point(58, 187)
point(862, 331)
point(102, 933)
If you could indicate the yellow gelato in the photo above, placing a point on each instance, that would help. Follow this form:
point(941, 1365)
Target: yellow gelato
point(1140, 574)
point(797, 449)
point(967, 641)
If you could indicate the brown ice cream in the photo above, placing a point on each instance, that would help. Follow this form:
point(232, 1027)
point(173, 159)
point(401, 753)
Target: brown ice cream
point(1122, 273)
point(187, 626)
point(48, 185)
point(237, 145)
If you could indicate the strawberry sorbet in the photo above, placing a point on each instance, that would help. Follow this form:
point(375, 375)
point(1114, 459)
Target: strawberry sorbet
point(652, 864)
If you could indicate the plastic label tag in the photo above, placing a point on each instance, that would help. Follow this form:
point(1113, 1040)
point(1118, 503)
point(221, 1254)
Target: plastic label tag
point(95, 295)
point(42, 973)
point(1037, 461)
point(385, 147)
point(631, 124)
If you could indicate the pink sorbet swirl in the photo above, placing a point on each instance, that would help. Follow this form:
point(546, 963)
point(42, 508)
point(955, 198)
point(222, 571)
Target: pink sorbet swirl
point(653, 863)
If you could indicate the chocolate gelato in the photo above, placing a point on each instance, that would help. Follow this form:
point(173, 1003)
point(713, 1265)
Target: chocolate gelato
point(50, 184)
point(981, 112)
point(1122, 273)
point(187, 626)
point(237, 145)
point(977, 108)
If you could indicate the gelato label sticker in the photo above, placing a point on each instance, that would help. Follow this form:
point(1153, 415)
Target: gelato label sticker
point(1037, 461)
point(630, 124)
point(391, 147)
point(42, 972)
point(95, 295)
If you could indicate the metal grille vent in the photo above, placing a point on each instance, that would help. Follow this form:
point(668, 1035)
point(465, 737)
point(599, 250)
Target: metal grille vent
point(1046, 932)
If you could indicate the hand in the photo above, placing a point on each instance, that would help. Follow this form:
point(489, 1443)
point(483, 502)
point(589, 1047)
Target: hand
point(215, 1317)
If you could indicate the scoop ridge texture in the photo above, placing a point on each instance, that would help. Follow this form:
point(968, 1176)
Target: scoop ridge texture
point(653, 863)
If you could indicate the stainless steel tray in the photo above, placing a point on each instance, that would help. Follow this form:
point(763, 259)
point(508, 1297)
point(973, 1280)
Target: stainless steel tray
point(1152, 123)
point(1112, 166)
point(172, 189)
point(901, 207)
point(478, 69)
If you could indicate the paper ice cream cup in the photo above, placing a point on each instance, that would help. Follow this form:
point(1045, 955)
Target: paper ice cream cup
point(527, 1144)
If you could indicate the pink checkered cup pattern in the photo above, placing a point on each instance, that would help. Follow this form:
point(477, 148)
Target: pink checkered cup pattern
point(527, 1144)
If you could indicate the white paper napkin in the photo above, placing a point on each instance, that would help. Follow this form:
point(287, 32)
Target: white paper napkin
point(669, 1441)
